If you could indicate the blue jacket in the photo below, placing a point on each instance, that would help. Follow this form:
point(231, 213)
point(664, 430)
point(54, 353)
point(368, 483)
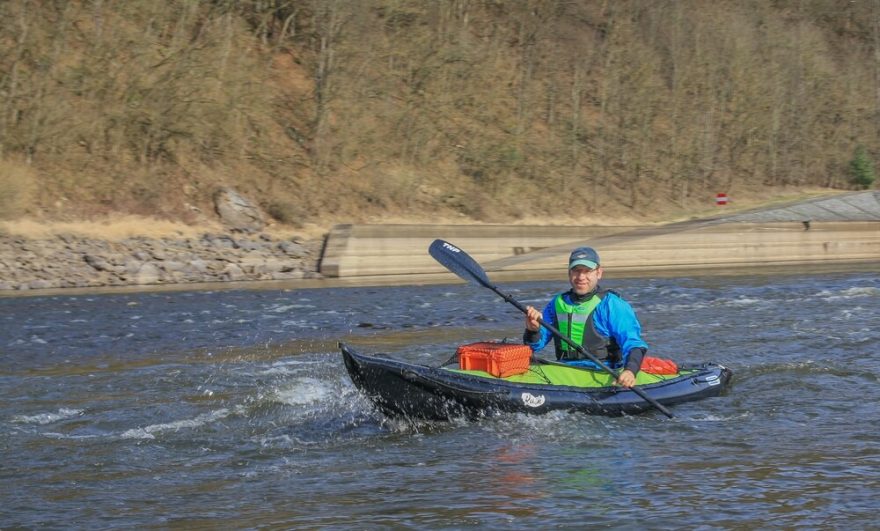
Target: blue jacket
point(613, 318)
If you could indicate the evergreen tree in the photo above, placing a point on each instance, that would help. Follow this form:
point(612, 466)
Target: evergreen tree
point(861, 169)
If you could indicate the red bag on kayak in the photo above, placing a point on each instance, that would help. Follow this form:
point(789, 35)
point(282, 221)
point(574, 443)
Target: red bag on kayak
point(653, 365)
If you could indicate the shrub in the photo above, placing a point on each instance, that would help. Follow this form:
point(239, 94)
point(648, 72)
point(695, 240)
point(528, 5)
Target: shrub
point(286, 213)
point(861, 169)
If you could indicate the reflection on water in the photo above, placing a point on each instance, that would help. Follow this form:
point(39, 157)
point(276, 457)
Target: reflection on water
point(232, 409)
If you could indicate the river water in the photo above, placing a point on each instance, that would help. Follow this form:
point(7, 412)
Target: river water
point(231, 409)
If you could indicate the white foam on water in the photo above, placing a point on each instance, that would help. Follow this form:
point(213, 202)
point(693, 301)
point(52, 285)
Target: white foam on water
point(289, 367)
point(719, 418)
point(744, 301)
point(277, 370)
point(850, 293)
point(298, 324)
point(287, 307)
point(48, 418)
point(676, 307)
point(56, 435)
point(305, 391)
point(150, 431)
point(278, 441)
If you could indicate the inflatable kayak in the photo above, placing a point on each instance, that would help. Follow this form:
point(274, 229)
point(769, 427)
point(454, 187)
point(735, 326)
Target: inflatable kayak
point(402, 389)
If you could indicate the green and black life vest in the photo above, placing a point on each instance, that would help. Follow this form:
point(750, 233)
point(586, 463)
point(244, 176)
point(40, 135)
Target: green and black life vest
point(576, 322)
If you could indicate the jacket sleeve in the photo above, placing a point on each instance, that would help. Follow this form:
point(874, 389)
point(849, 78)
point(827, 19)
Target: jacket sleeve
point(614, 317)
point(538, 340)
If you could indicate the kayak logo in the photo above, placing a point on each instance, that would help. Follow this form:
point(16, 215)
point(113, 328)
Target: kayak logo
point(451, 247)
point(709, 379)
point(532, 400)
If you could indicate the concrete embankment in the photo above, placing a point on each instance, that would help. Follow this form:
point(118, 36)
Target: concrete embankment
point(841, 232)
point(368, 251)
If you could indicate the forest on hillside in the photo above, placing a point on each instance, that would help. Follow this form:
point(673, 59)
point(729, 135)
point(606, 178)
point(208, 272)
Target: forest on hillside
point(488, 109)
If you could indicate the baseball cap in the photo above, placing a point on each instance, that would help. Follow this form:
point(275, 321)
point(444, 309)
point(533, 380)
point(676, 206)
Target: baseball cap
point(585, 256)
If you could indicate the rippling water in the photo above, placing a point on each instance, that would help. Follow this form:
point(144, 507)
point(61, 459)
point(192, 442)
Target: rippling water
point(231, 409)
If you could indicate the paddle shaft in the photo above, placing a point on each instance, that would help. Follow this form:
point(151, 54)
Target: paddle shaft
point(460, 263)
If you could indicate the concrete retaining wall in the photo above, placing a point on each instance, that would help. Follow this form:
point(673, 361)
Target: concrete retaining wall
point(373, 250)
point(366, 250)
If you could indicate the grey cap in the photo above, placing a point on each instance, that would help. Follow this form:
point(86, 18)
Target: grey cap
point(585, 256)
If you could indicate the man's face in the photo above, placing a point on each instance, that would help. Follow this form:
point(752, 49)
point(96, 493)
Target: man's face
point(583, 279)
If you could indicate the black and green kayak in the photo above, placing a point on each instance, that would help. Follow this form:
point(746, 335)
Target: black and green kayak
point(403, 389)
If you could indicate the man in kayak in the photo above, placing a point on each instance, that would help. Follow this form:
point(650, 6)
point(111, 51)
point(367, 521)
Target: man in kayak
point(598, 320)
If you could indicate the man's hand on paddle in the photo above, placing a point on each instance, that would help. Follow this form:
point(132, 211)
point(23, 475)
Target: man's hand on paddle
point(626, 378)
point(532, 316)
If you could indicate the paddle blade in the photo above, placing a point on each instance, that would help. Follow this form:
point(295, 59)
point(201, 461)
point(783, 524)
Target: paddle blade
point(458, 262)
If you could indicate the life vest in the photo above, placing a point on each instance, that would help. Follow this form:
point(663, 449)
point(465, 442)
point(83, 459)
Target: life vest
point(576, 322)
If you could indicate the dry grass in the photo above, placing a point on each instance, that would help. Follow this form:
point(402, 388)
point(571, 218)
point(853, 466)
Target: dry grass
point(748, 199)
point(120, 227)
point(17, 187)
point(112, 228)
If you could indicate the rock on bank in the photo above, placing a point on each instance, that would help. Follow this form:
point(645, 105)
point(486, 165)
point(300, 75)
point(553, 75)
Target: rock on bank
point(71, 261)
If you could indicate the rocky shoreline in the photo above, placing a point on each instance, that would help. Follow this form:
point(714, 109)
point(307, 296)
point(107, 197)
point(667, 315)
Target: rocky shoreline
point(68, 261)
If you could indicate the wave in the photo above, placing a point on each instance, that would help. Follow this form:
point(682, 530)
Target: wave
point(709, 417)
point(149, 431)
point(850, 293)
point(283, 308)
point(48, 418)
point(283, 368)
point(742, 302)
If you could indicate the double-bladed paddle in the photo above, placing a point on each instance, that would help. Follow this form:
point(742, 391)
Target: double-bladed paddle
point(460, 263)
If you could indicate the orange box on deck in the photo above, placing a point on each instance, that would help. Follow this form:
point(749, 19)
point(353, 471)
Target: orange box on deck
point(498, 359)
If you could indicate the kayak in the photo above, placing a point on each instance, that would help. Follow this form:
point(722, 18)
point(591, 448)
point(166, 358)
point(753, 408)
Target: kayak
point(403, 389)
